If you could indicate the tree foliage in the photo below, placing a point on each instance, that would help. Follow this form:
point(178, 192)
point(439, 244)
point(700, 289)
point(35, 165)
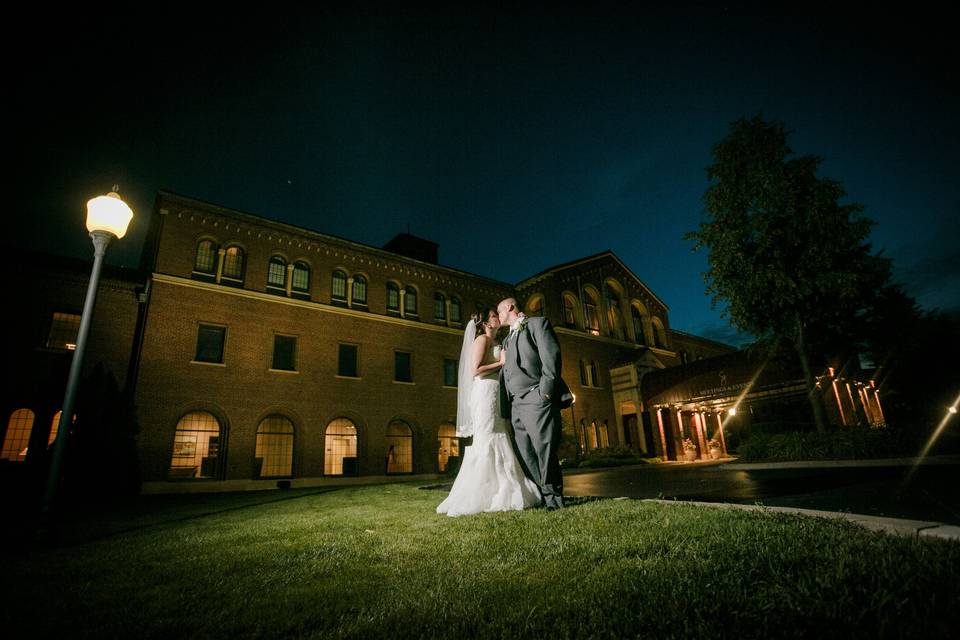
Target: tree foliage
point(789, 260)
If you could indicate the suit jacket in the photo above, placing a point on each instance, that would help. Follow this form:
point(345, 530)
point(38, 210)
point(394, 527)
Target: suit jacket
point(532, 362)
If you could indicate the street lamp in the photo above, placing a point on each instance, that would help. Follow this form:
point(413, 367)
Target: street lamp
point(107, 218)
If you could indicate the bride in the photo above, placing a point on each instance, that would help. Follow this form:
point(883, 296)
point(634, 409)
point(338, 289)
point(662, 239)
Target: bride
point(490, 476)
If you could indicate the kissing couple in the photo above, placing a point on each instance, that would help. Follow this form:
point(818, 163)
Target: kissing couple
point(519, 384)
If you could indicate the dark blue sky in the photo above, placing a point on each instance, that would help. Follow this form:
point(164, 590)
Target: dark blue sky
point(514, 139)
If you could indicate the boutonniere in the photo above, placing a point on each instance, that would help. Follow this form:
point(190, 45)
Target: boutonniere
point(521, 323)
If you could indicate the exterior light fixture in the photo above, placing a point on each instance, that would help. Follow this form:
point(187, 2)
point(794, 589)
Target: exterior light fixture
point(107, 218)
point(732, 411)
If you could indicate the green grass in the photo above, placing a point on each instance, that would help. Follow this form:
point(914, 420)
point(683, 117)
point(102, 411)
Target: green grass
point(378, 562)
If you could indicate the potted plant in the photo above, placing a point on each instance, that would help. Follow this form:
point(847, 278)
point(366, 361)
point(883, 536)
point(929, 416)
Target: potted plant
point(689, 450)
point(715, 450)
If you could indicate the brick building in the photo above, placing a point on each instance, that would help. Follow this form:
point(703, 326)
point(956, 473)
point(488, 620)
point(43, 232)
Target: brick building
point(260, 351)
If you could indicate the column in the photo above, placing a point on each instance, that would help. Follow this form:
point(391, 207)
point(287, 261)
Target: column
point(663, 438)
point(289, 280)
point(403, 305)
point(446, 302)
point(220, 254)
point(723, 440)
point(350, 292)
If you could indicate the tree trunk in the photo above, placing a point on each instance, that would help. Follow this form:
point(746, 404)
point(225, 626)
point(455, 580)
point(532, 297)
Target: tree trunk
point(813, 394)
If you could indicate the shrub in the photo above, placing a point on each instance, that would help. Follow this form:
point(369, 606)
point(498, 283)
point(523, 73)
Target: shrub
point(836, 444)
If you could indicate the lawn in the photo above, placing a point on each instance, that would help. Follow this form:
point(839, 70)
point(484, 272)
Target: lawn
point(377, 562)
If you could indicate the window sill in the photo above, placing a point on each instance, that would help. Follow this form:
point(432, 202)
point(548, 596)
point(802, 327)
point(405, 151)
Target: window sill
point(209, 364)
point(339, 377)
point(290, 371)
point(404, 382)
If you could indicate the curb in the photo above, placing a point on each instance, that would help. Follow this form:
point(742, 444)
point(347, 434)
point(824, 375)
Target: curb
point(839, 464)
point(896, 526)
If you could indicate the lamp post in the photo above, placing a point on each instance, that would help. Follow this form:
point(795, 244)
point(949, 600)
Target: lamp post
point(107, 218)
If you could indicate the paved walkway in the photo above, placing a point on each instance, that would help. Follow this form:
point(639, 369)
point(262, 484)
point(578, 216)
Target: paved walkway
point(903, 495)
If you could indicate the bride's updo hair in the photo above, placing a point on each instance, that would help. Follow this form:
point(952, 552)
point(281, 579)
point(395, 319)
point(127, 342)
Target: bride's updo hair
point(481, 317)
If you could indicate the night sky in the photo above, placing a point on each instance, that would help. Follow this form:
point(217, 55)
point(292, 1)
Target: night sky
point(515, 139)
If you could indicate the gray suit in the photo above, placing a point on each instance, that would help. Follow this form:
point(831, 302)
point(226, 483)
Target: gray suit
point(530, 392)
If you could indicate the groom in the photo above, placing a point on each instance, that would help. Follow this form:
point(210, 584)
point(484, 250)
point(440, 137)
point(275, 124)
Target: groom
point(531, 396)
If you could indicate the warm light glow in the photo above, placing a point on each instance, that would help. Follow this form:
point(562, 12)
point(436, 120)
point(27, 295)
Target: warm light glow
point(71, 346)
point(574, 401)
point(732, 411)
point(108, 213)
point(952, 409)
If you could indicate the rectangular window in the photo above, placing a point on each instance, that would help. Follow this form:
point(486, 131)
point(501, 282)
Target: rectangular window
point(210, 341)
point(401, 368)
point(589, 373)
point(393, 298)
point(449, 372)
point(63, 331)
point(285, 353)
point(440, 308)
point(347, 366)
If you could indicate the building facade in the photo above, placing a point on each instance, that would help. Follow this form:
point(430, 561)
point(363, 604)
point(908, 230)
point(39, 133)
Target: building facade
point(257, 351)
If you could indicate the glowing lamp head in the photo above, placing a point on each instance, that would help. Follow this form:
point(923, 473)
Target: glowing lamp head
point(952, 409)
point(732, 411)
point(108, 213)
point(574, 401)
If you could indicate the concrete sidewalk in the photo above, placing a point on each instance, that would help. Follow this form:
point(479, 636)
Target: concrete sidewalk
point(897, 526)
point(733, 465)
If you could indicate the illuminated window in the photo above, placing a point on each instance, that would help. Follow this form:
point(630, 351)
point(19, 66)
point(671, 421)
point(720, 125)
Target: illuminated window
point(535, 306)
point(55, 427)
point(402, 369)
point(439, 307)
point(604, 435)
point(393, 297)
point(301, 277)
point(399, 447)
point(455, 308)
point(592, 434)
point(410, 302)
point(338, 286)
point(277, 273)
point(15, 442)
point(196, 447)
point(64, 328)
point(284, 353)
point(206, 260)
point(359, 291)
point(340, 448)
point(210, 340)
point(233, 264)
point(448, 445)
point(581, 435)
point(274, 452)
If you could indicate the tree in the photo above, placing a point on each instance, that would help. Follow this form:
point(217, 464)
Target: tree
point(790, 261)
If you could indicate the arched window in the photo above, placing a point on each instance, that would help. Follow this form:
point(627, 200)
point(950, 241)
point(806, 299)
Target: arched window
point(399, 447)
point(439, 307)
point(604, 435)
point(196, 447)
point(582, 435)
point(410, 302)
point(206, 260)
point(448, 445)
point(590, 314)
point(277, 273)
point(359, 290)
point(301, 277)
point(340, 448)
point(274, 452)
point(569, 311)
point(639, 336)
point(614, 321)
point(592, 435)
point(15, 443)
point(455, 309)
point(55, 427)
point(233, 261)
point(535, 306)
point(393, 297)
point(659, 335)
point(338, 286)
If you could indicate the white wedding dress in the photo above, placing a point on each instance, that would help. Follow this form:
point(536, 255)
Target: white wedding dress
point(490, 476)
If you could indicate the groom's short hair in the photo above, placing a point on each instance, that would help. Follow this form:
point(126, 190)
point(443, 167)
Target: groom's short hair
point(512, 303)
